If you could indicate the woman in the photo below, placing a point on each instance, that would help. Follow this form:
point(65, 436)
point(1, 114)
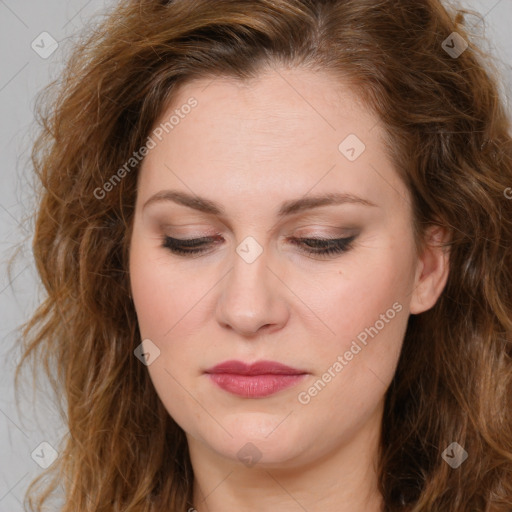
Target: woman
point(277, 247)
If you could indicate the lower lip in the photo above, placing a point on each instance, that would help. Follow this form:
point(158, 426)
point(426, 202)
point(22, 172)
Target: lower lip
point(254, 386)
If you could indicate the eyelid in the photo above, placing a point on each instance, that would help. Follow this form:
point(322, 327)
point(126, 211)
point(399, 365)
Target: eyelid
point(304, 231)
point(318, 247)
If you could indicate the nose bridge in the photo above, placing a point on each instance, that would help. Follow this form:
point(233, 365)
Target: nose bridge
point(248, 276)
point(249, 300)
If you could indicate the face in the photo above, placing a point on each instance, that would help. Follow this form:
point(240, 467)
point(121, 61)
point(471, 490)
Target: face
point(284, 273)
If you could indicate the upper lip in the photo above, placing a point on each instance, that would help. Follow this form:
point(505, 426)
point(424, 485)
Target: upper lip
point(257, 368)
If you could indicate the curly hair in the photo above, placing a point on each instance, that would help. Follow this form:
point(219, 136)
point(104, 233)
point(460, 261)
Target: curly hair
point(448, 135)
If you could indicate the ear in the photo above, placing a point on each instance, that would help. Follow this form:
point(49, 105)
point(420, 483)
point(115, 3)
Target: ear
point(432, 270)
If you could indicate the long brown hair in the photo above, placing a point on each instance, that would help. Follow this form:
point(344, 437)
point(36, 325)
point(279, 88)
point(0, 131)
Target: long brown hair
point(448, 135)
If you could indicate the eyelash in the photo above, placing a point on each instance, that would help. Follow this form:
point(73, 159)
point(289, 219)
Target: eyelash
point(332, 246)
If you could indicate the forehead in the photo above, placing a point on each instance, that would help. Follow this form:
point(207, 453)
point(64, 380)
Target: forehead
point(277, 97)
point(287, 128)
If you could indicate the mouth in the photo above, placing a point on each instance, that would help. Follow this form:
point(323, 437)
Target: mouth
point(257, 380)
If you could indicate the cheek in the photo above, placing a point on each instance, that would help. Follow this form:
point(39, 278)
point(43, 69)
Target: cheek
point(367, 315)
point(164, 298)
point(154, 293)
point(354, 297)
point(161, 303)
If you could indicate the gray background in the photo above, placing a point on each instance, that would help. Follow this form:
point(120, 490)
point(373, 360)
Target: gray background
point(23, 73)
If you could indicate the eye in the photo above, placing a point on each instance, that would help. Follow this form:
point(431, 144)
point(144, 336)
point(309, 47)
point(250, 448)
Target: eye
point(322, 247)
point(187, 246)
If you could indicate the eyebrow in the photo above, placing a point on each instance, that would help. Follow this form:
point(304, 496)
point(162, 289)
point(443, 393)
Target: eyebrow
point(289, 207)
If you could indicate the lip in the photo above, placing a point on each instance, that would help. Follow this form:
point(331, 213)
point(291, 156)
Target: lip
point(257, 368)
point(256, 380)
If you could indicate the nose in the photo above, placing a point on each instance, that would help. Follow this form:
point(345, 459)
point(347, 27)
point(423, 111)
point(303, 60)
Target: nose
point(253, 297)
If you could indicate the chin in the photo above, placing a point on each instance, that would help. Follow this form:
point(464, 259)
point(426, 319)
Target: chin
point(258, 439)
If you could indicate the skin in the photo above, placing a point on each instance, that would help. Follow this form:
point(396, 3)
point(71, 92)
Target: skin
point(250, 147)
